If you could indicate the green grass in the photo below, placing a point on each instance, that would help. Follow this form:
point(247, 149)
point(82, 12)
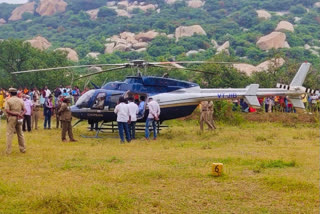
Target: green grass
point(268, 168)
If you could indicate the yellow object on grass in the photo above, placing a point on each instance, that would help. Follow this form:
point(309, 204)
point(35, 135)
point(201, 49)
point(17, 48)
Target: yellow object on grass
point(217, 169)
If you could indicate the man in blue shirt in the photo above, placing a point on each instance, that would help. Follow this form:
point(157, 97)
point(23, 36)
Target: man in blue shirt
point(141, 106)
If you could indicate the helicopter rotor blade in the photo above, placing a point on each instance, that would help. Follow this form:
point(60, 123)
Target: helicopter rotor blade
point(183, 68)
point(99, 72)
point(189, 62)
point(68, 67)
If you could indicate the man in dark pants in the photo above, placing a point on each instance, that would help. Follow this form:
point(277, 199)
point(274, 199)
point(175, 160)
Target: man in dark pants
point(27, 116)
point(133, 110)
point(123, 118)
point(66, 118)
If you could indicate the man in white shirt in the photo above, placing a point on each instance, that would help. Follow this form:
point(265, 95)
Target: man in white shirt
point(154, 113)
point(133, 110)
point(48, 92)
point(123, 118)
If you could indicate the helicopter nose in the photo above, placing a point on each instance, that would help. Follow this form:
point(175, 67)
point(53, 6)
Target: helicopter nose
point(75, 111)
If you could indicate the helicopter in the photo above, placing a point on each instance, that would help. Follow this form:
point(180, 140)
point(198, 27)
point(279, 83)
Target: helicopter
point(177, 98)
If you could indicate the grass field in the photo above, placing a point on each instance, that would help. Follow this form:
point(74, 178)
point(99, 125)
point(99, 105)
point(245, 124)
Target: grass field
point(268, 168)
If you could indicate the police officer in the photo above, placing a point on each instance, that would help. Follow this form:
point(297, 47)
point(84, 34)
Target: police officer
point(15, 110)
point(204, 116)
point(65, 118)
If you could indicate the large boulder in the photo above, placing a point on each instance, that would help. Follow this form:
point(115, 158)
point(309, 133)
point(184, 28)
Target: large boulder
point(316, 5)
point(140, 45)
point(224, 47)
point(109, 48)
point(263, 14)
point(16, 14)
point(170, 1)
point(264, 66)
point(188, 31)
point(71, 54)
point(123, 5)
point(284, 26)
point(2, 22)
point(192, 52)
point(273, 40)
point(195, 3)
point(93, 14)
point(93, 55)
point(246, 68)
point(51, 7)
point(39, 42)
point(144, 8)
point(122, 47)
point(121, 12)
point(270, 64)
point(146, 36)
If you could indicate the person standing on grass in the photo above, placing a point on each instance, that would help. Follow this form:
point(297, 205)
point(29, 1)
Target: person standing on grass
point(153, 117)
point(123, 118)
point(66, 118)
point(15, 111)
point(28, 114)
point(47, 112)
point(35, 112)
point(134, 110)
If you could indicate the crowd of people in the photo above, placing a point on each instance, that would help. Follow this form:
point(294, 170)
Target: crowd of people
point(23, 107)
point(280, 104)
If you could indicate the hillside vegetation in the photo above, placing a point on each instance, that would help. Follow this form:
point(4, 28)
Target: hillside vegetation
point(234, 23)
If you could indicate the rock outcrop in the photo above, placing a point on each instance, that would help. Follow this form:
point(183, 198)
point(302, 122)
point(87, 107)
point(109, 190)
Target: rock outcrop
point(93, 14)
point(16, 14)
point(224, 48)
point(39, 42)
point(2, 22)
point(246, 68)
point(147, 36)
point(71, 54)
point(270, 64)
point(127, 41)
point(93, 55)
point(316, 5)
point(263, 14)
point(170, 1)
point(284, 26)
point(51, 7)
point(195, 3)
point(123, 13)
point(273, 40)
point(264, 66)
point(187, 31)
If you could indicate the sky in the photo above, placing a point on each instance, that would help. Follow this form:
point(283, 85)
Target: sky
point(14, 1)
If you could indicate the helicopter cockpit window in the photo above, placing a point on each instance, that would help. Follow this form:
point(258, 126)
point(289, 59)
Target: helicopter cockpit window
point(83, 101)
point(99, 101)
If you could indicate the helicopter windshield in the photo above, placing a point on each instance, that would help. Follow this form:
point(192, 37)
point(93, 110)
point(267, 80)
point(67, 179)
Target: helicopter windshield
point(83, 101)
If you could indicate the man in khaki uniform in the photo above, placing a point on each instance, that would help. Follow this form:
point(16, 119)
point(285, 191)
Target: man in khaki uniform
point(35, 112)
point(204, 115)
point(15, 110)
point(66, 117)
point(210, 114)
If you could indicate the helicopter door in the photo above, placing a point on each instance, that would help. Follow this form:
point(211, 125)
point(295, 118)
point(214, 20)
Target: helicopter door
point(99, 101)
point(137, 100)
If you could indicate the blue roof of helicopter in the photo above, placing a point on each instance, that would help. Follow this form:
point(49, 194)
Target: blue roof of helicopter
point(149, 84)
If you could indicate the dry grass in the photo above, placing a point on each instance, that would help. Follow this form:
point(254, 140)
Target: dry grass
point(269, 168)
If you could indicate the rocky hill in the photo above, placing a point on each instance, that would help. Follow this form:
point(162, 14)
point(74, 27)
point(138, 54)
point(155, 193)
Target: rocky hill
point(250, 31)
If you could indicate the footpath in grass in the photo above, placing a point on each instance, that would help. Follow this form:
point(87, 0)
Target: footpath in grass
point(268, 168)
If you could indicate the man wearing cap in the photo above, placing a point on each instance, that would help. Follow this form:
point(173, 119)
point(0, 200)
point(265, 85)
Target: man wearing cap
point(27, 115)
point(15, 111)
point(66, 117)
point(154, 112)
